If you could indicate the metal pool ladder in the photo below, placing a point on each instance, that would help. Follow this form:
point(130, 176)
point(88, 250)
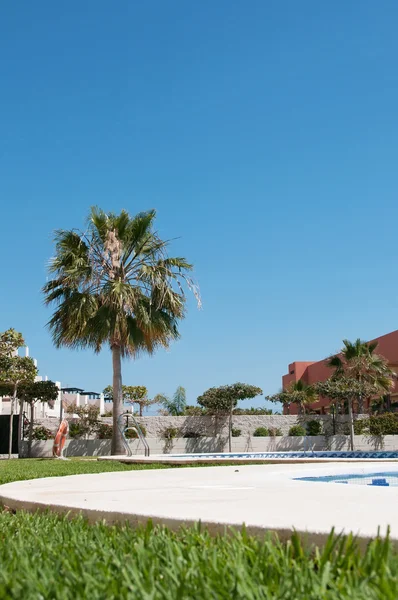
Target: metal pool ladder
point(123, 427)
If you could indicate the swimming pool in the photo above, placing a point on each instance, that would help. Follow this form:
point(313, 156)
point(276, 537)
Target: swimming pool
point(385, 479)
point(305, 454)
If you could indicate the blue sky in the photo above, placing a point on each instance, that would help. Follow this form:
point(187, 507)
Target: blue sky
point(264, 133)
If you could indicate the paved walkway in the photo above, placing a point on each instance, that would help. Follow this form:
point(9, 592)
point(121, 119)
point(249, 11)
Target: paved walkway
point(264, 497)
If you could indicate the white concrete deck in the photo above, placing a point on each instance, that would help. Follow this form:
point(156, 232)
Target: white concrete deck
point(264, 497)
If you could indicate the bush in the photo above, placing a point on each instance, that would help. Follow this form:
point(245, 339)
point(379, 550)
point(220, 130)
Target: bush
point(170, 433)
point(236, 432)
point(194, 411)
point(131, 434)
point(42, 433)
point(385, 424)
point(314, 427)
point(261, 432)
point(107, 413)
point(104, 431)
point(275, 431)
point(297, 431)
point(76, 430)
point(192, 435)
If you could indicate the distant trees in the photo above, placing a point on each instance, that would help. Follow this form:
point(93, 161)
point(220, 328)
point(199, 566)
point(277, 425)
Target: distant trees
point(33, 392)
point(15, 371)
point(132, 394)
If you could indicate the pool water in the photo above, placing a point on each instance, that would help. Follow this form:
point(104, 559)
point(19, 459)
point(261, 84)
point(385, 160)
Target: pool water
point(389, 479)
point(300, 454)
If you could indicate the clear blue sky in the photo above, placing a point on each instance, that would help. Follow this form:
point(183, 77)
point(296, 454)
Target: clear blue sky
point(265, 134)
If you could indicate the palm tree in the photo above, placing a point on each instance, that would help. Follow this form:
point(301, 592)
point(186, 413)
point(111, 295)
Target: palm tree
point(115, 285)
point(359, 374)
point(299, 393)
point(358, 360)
point(175, 406)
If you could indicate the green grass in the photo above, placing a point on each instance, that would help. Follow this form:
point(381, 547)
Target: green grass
point(46, 557)
point(33, 468)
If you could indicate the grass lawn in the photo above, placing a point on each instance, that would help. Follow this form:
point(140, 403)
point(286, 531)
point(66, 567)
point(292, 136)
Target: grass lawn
point(46, 557)
point(33, 468)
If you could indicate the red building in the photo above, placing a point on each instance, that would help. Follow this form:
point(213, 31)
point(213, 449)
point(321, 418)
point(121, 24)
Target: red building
point(312, 372)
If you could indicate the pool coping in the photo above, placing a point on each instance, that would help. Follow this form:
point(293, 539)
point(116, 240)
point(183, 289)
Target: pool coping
point(189, 460)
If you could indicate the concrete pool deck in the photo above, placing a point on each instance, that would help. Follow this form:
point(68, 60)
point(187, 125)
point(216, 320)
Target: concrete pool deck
point(263, 497)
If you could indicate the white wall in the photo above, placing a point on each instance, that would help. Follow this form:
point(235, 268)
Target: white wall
point(218, 444)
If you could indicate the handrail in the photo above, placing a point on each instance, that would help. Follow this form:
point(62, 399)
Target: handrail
point(137, 428)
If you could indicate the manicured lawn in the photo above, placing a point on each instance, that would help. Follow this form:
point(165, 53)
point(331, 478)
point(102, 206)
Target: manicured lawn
point(32, 468)
point(46, 557)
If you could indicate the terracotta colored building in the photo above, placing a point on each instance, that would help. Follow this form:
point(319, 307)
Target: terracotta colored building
point(311, 372)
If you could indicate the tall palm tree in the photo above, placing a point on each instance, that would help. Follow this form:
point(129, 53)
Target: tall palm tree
point(358, 360)
point(115, 285)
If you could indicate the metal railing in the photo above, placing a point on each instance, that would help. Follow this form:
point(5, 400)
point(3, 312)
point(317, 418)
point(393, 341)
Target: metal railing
point(126, 427)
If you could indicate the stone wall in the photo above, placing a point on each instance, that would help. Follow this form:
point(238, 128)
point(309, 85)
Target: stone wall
point(218, 426)
point(218, 444)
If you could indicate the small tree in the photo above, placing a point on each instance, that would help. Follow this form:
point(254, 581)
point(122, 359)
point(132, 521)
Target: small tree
point(175, 406)
point(341, 389)
point(222, 400)
point(14, 371)
point(31, 393)
point(298, 393)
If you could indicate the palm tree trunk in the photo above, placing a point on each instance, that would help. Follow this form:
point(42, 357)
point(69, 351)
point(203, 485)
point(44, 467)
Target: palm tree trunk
point(13, 399)
point(351, 423)
point(117, 446)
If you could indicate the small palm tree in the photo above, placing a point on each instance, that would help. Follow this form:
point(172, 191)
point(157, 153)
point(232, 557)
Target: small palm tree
point(175, 406)
point(115, 285)
point(358, 360)
point(299, 393)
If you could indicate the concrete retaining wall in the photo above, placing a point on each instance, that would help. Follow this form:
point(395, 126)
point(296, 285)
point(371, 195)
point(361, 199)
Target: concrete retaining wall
point(218, 444)
point(212, 426)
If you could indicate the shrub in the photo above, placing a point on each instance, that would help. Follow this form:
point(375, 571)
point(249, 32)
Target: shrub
point(385, 424)
point(261, 432)
point(42, 433)
point(76, 430)
point(131, 434)
point(170, 433)
point(236, 432)
point(297, 431)
point(314, 427)
point(192, 435)
point(360, 426)
point(194, 411)
point(275, 431)
point(104, 431)
point(107, 413)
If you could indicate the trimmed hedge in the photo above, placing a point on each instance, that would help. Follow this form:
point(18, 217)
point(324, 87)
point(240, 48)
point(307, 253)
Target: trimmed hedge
point(261, 432)
point(314, 427)
point(297, 431)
